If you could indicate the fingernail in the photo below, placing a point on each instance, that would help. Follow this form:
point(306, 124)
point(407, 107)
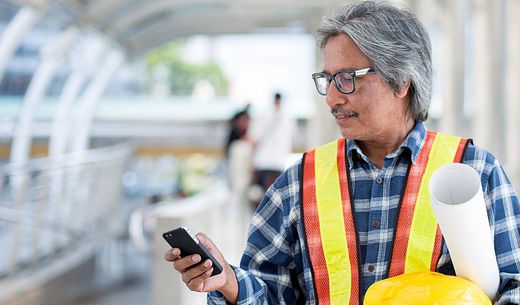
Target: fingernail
point(176, 252)
point(207, 263)
point(209, 271)
point(195, 258)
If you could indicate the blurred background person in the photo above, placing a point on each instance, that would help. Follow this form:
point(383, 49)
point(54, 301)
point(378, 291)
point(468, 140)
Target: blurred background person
point(272, 138)
point(238, 154)
point(238, 126)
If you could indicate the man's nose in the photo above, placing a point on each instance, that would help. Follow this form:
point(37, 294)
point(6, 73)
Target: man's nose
point(334, 96)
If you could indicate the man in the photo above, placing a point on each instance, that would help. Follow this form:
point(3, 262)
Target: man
point(272, 137)
point(340, 220)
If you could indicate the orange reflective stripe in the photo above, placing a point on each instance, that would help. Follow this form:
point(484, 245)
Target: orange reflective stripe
point(418, 241)
point(424, 225)
point(404, 220)
point(460, 150)
point(312, 230)
point(332, 224)
point(350, 227)
point(329, 225)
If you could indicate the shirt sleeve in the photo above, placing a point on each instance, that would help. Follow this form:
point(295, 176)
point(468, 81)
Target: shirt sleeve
point(258, 128)
point(506, 212)
point(270, 270)
point(504, 215)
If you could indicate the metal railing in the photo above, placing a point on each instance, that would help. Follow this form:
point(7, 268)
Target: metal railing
point(53, 209)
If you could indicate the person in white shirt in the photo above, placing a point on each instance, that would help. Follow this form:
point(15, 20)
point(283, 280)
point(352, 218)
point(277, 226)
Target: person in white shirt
point(272, 137)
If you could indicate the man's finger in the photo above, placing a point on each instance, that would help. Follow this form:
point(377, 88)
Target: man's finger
point(172, 254)
point(196, 271)
point(197, 284)
point(184, 263)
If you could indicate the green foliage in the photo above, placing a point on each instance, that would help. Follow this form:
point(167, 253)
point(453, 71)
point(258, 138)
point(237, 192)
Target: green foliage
point(184, 76)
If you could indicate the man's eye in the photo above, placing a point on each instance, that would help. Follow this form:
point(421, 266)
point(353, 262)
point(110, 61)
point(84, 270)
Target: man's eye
point(345, 78)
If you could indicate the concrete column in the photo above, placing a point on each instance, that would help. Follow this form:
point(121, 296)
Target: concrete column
point(512, 97)
point(425, 10)
point(485, 110)
point(404, 3)
point(453, 19)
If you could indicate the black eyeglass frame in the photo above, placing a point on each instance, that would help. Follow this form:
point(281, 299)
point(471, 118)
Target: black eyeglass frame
point(332, 77)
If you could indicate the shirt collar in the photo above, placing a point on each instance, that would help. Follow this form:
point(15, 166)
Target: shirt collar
point(413, 142)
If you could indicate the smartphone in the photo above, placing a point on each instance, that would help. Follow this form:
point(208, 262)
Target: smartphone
point(188, 244)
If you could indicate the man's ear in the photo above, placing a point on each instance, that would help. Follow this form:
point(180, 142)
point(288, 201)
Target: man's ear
point(403, 90)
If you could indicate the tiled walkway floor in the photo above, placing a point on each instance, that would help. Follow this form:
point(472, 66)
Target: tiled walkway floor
point(132, 292)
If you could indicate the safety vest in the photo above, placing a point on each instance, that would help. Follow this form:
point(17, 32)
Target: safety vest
point(330, 227)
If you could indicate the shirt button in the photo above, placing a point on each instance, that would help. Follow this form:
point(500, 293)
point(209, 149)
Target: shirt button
point(376, 224)
point(371, 268)
point(379, 180)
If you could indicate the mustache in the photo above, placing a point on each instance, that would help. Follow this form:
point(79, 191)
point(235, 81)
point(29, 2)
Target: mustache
point(335, 110)
point(339, 113)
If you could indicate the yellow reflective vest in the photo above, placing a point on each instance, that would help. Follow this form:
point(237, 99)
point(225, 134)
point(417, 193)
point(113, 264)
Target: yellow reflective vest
point(330, 227)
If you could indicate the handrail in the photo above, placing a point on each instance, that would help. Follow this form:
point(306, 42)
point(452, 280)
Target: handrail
point(68, 159)
point(48, 205)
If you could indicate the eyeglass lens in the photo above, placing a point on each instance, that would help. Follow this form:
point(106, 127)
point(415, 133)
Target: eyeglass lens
point(343, 81)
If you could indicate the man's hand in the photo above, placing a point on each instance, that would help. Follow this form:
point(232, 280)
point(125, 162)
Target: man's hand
point(197, 275)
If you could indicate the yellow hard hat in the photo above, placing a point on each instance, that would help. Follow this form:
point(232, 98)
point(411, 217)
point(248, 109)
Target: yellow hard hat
point(425, 288)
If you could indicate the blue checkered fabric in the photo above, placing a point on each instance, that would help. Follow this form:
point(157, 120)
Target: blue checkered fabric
point(275, 269)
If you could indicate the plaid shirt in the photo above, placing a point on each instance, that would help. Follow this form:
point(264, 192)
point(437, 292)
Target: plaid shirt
point(275, 269)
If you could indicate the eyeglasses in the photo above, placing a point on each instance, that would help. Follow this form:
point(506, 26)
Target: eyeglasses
point(344, 80)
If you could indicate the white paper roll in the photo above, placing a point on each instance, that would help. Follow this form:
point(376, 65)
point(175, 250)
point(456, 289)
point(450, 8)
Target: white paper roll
point(458, 204)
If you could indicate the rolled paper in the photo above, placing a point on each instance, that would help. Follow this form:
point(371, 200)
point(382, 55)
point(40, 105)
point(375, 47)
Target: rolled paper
point(458, 204)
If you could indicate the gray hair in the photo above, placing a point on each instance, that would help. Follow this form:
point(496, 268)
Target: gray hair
point(394, 40)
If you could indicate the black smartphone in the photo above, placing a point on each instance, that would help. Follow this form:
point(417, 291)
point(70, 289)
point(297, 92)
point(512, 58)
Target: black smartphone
point(188, 244)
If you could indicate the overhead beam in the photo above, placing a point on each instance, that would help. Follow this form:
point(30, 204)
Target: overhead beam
point(184, 26)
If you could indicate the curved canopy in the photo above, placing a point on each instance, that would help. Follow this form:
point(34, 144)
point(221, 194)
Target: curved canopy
point(139, 25)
